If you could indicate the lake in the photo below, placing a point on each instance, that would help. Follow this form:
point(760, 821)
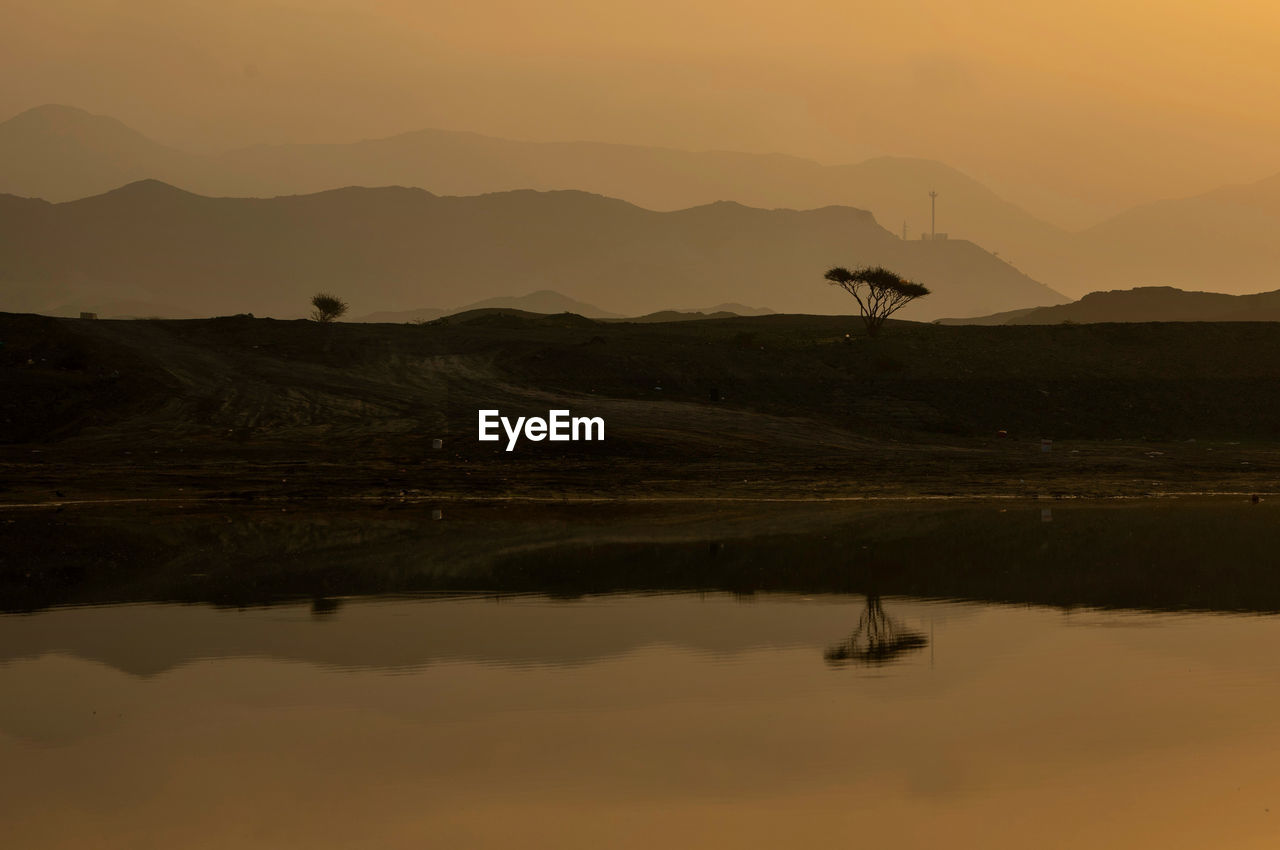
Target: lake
point(974, 675)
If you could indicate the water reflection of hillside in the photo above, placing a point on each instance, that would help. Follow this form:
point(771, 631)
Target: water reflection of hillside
point(1175, 555)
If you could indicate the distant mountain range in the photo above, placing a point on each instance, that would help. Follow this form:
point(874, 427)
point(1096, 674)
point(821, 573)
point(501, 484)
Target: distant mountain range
point(61, 153)
point(395, 248)
point(1228, 239)
point(1144, 304)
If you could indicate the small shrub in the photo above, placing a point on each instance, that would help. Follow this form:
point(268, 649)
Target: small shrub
point(327, 307)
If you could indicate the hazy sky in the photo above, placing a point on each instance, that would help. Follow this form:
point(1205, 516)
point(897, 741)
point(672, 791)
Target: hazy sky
point(1072, 109)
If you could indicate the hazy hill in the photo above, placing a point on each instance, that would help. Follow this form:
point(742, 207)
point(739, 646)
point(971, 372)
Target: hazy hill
point(729, 307)
point(1144, 304)
point(61, 153)
point(1006, 317)
point(397, 248)
point(398, 317)
point(37, 162)
point(543, 301)
point(894, 189)
point(547, 302)
point(680, 316)
point(1227, 239)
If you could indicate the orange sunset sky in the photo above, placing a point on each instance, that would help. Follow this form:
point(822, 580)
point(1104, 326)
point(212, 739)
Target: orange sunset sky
point(1073, 110)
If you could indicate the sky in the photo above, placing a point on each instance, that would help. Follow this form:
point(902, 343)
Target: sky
point(1075, 111)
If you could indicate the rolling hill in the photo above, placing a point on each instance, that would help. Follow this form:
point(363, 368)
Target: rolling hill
point(543, 301)
point(1143, 304)
point(397, 249)
point(61, 153)
point(1227, 239)
point(548, 302)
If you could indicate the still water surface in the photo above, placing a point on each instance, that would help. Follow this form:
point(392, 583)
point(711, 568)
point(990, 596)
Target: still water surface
point(636, 721)
point(645, 719)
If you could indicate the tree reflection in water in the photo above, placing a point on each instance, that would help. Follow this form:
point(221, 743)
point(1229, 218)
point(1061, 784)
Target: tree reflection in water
point(878, 639)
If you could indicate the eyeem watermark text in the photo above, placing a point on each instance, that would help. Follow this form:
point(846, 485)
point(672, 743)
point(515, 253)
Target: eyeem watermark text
point(558, 427)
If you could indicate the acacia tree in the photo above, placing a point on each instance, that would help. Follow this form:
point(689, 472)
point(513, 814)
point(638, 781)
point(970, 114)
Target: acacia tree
point(327, 307)
point(879, 292)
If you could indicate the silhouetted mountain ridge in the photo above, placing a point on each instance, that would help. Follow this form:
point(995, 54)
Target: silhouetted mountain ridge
point(544, 301)
point(454, 162)
point(60, 152)
point(397, 247)
point(1228, 238)
point(547, 302)
point(1145, 304)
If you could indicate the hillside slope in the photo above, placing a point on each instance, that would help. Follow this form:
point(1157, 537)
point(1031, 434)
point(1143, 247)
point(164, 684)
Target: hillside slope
point(1144, 304)
point(1226, 240)
point(396, 249)
point(289, 379)
point(760, 407)
point(1223, 240)
point(62, 153)
point(37, 162)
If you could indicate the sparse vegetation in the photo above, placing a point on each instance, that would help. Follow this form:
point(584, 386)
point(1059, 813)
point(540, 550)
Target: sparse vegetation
point(327, 307)
point(879, 292)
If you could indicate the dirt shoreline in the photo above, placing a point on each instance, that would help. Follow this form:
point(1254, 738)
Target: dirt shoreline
point(74, 472)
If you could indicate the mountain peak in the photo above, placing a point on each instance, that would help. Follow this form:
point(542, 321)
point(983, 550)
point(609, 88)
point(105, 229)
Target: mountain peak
point(59, 117)
point(52, 111)
point(148, 189)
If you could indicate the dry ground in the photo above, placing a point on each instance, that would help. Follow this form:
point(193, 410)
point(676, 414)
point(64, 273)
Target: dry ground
point(777, 407)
